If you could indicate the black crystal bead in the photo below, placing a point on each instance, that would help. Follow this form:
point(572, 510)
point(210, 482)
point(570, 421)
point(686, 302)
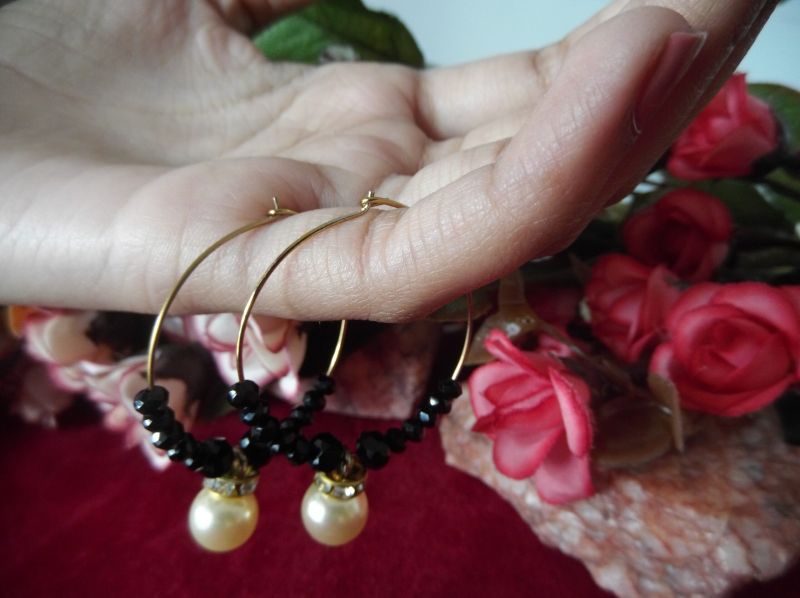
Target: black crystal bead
point(396, 440)
point(437, 405)
point(289, 425)
point(426, 417)
point(243, 395)
point(448, 389)
point(183, 449)
point(166, 439)
point(198, 457)
point(257, 453)
point(255, 416)
point(286, 441)
point(301, 451)
point(325, 384)
point(150, 400)
point(329, 452)
point(302, 415)
point(413, 430)
point(372, 450)
point(314, 400)
point(220, 457)
point(268, 432)
point(159, 421)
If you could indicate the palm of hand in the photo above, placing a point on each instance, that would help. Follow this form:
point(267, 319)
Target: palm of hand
point(135, 136)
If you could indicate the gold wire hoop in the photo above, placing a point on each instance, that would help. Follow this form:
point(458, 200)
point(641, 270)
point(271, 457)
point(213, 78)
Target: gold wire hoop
point(368, 202)
point(272, 215)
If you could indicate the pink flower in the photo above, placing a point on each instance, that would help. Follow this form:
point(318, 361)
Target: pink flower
point(688, 231)
point(113, 387)
point(733, 348)
point(59, 338)
point(273, 349)
point(38, 401)
point(724, 140)
point(628, 303)
point(538, 415)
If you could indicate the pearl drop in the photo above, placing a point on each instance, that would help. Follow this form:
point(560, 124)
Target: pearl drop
point(333, 521)
point(220, 523)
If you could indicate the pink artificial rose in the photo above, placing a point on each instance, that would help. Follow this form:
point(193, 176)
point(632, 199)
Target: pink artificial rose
point(113, 387)
point(537, 413)
point(733, 348)
point(38, 400)
point(628, 302)
point(273, 347)
point(688, 231)
point(58, 337)
point(724, 140)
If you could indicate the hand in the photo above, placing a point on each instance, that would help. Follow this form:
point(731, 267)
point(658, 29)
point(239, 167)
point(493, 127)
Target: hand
point(133, 134)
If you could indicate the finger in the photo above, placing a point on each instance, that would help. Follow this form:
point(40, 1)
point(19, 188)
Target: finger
point(691, 94)
point(116, 237)
point(250, 16)
point(455, 100)
point(452, 101)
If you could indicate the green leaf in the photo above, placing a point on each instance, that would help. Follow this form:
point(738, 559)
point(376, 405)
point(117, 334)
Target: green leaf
point(339, 30)
point(771, 264)
point(788, 408)
point(778, 194)
point(748, 207)
point(785, 104)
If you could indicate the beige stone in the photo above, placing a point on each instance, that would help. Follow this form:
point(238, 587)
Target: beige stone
point(701, 523)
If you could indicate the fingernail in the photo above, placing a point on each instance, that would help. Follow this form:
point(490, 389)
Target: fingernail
point(680, 50)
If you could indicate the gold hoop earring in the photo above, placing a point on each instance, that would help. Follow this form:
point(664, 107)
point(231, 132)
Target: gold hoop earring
point(213, 457)
point(334, 509)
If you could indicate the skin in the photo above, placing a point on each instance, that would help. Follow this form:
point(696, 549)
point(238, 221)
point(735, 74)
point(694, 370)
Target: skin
point(133, 134)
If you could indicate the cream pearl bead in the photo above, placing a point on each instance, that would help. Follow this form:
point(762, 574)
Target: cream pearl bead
point(333, 521)
point(220, 523)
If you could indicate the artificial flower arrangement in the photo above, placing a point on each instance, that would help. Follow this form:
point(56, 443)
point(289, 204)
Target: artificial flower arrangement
point(679, 304)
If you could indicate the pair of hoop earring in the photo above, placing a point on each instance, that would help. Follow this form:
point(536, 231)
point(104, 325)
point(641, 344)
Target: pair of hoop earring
point(334, 510)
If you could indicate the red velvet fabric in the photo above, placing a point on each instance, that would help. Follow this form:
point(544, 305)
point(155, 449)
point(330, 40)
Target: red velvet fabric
point(83, 516)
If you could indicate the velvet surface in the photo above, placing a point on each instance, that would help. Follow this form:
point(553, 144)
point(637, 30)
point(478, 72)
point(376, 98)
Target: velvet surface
point(81, 515)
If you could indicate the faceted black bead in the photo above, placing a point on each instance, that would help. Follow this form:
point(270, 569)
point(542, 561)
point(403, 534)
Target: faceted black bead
point(243, 395)
point(413, 430)
point(165, 439)
point(255, 416)
point(426, 417)
point(150, 400)
point(314, 400)
point(183, 449)
point(329, 452)
point(301, 451)
point(198, 457)
point(437, 405)
point(372, 450)
point(257, 453)
point(286, 441)
point(448, 389)
point(220, 457)
point(159, 421)
point(302, 415)
point(268, 432)
point(396, 440)
point(325, 384)
point(289, 425)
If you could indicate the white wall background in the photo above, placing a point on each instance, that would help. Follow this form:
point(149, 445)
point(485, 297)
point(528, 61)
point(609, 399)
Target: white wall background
point(454, 31)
